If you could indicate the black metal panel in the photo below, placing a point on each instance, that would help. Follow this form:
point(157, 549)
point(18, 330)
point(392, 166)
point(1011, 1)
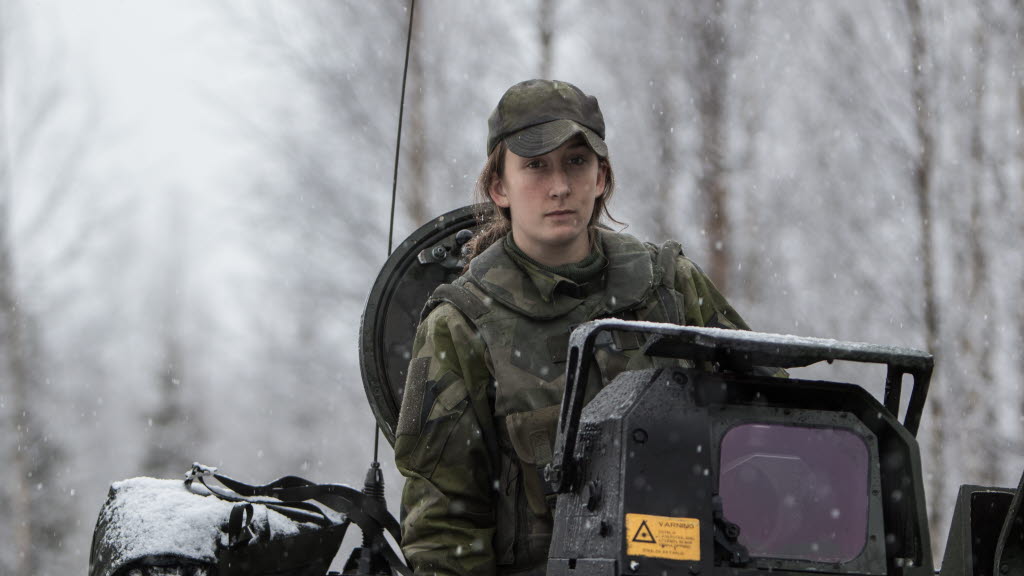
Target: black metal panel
point(908, 545)
point(429, 257)
point(581, 567)
point(666, 469)
point(587, 528)
point(973, 534)
point(1009, 557)
point(648, 445)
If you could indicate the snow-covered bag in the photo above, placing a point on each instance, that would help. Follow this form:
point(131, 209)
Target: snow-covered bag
point(192, 528)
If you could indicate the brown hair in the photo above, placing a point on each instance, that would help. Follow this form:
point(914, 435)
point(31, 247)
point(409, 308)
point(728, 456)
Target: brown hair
point(495, 221)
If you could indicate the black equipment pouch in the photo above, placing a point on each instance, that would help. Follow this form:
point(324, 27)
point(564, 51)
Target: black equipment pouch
point(217, 525)
point(253, 547)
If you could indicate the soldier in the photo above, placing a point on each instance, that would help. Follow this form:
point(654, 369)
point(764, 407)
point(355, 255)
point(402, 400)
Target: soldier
point(485, 382)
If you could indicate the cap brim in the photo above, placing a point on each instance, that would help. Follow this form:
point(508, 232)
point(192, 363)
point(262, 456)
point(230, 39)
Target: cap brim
point(543, 138)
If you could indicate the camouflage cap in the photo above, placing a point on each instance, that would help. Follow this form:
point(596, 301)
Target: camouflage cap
point(536, 116)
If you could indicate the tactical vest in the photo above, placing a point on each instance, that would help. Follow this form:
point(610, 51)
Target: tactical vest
point(526, 336)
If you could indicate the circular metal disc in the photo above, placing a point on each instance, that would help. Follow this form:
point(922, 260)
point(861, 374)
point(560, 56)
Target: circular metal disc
point(428, 258)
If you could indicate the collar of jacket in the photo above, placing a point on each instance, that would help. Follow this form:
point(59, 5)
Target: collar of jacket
point(550, 280)
point(629, 280)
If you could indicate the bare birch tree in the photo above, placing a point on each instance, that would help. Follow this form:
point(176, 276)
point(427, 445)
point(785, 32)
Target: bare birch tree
point(976, 341)
point(175, 425)
point(666, 109)
point(545, 36)
point(36, 455)
point(416, 148)
point(921, 185)
point(711, 81)
point(1018, 51)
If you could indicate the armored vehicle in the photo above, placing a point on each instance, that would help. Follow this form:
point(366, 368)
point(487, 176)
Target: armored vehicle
point(709, 465)
point(704, 465)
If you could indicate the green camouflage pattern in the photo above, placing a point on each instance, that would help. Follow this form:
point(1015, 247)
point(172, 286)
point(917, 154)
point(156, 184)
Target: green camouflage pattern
point(536, 116)
point(480, 408)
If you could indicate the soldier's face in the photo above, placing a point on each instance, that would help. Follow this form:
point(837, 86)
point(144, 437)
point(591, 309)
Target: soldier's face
point(551, 199)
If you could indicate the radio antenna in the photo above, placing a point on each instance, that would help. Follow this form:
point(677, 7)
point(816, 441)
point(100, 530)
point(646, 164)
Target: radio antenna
point(394, 179)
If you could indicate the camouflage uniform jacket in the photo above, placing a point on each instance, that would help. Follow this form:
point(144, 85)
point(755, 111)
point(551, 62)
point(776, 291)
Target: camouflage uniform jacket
point(480, 405)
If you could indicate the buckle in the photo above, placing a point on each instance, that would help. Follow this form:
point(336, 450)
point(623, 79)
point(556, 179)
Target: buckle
point(199, 471)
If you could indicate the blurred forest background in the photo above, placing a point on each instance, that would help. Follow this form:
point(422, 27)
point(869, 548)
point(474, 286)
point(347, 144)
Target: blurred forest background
point(194, 204)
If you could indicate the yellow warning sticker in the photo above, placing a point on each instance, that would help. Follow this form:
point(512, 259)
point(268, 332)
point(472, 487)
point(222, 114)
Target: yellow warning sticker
point(663, 537)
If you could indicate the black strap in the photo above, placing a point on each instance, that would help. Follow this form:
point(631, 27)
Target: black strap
point(666, 261)
point(239, 529)
point(668, 303)
point(294, 509)
point(288, 495)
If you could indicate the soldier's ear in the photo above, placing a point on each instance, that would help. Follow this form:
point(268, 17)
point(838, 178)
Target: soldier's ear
point(497, 193)
point(602, 177)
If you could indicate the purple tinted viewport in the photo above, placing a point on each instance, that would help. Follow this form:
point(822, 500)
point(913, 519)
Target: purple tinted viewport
point(796, 492)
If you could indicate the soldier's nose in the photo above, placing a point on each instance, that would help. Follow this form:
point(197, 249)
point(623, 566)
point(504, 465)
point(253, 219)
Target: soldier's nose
point(560, 185)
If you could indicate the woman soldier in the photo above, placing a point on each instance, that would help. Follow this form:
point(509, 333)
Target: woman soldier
point(481, 401)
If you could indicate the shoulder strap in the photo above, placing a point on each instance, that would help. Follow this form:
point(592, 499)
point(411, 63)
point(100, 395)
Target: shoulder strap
point(473, 308)
point(458, 296)
point(666, 262)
